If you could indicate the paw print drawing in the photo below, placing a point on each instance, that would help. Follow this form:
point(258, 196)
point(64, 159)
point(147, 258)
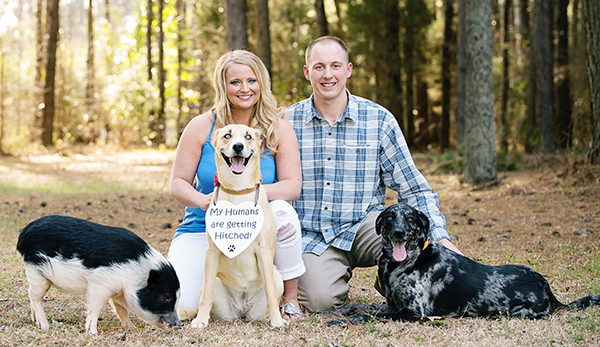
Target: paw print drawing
point(231, 248)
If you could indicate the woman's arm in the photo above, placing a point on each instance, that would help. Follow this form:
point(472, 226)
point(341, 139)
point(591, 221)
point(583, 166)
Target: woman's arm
point(287, 163)
point(185, 164)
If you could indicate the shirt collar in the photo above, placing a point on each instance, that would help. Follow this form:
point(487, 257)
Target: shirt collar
point(351, 111)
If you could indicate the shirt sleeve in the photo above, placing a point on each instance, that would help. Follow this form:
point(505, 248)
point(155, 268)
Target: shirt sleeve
point(400, 174)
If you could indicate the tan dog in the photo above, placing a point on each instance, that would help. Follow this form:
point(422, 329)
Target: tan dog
point(247, 285)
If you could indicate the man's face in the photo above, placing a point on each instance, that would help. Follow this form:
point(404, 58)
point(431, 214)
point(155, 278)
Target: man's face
point(327, 70)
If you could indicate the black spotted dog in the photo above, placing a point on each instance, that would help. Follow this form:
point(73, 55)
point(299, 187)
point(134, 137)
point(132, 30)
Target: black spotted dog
point(424, 279)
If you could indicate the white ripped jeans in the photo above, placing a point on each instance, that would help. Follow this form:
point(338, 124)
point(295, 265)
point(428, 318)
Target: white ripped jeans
point(186, 253)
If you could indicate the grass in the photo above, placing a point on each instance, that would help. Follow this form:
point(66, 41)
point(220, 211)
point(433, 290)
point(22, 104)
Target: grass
point(131, 192)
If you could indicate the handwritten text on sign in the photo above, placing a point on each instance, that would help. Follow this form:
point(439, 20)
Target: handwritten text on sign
point(233, 227)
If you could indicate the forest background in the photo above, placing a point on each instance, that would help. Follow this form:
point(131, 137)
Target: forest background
point(133, 73)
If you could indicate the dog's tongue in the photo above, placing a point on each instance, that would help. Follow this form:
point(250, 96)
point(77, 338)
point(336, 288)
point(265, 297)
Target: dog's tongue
point(399, 251)
point(237, 164)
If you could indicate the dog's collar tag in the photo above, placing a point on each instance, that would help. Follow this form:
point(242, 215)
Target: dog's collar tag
point(233, 228)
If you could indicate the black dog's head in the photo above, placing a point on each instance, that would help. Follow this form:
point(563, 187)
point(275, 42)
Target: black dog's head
point(404, 231)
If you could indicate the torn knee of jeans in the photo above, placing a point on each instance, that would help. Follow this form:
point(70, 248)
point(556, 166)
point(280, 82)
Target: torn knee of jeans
point(286, 235)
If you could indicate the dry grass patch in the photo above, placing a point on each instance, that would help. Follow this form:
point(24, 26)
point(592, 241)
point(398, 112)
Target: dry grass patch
point(543, 216)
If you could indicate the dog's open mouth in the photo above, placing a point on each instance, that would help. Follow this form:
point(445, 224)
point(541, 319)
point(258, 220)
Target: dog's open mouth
point(399, 250)
point(237, 163)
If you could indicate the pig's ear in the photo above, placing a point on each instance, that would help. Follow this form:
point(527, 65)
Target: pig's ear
point(154, 278)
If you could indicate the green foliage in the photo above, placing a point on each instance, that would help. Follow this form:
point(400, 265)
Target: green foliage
point(125, 99)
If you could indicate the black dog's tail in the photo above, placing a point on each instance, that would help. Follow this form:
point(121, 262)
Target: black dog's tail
point(585, 302)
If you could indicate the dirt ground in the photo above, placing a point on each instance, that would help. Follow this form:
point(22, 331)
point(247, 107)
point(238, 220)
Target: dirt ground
point(546, 216)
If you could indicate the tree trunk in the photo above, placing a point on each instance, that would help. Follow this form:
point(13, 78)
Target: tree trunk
point(564, 103)
point(575, 23)
point(150, 16)
point(39, 66)
point(48, 117)
point(530, 122)
point(180, 8)
point(409, 63)
point(2, 94)
point(591, 18)
point(479, 128)
point(542, 52)
point(461, 72)
point(504, 113)
point(235, 19)
point(446, 62)
point(107, 10)
point(322, 27)
point(159, 123)
point(263, 33)
point(426, 135)
point(89, 90)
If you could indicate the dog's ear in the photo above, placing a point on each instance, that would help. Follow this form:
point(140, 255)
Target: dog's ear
point(379, 223)
point(388, 214)
point(424, 221)
point(216, 137)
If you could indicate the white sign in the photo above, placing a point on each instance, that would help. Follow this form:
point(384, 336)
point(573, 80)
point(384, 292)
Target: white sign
point(233, 227)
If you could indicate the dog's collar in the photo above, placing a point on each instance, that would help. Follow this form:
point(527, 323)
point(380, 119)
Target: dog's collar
point(426, 244)
point(237, 192)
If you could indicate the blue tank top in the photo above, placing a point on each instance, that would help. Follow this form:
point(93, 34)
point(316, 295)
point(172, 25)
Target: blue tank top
point(193, 221)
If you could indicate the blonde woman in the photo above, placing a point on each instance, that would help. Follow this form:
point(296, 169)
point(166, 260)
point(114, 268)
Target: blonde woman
point(243, 96)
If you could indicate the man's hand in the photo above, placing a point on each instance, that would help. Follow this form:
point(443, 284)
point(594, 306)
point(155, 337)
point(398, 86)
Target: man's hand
point(450, 245)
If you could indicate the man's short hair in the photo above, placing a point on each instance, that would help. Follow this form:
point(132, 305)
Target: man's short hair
point(327, 39)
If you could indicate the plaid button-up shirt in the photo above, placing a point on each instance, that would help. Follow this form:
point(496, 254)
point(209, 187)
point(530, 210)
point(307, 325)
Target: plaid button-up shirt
point(346, 168)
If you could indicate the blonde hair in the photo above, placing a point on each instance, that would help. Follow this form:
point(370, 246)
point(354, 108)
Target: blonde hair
point(264, 116)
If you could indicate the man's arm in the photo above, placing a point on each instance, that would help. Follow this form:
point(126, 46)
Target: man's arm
point(401, 174)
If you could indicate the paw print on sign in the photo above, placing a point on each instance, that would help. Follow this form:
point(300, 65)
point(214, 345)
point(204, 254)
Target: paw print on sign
point(231, 248)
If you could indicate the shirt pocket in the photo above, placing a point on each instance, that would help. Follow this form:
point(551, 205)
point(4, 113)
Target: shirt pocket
point(361, 158)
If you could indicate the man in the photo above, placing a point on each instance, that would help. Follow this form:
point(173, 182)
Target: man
point(351, 150)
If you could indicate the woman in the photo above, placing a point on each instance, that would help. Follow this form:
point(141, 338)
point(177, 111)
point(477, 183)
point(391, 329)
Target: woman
point(243, 96)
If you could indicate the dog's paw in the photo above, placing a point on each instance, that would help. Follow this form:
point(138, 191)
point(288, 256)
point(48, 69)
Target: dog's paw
point(197, 324)
point(338, 322)
point(278, 323)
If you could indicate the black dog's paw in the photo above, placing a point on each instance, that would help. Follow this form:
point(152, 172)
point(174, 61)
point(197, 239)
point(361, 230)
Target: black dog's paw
point(346, 321)
point(338, 322)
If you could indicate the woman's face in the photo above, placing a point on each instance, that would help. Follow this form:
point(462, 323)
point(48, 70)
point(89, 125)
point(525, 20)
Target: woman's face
point(243, 90)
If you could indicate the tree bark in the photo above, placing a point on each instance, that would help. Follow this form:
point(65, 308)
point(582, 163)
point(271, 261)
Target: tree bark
point(446, 62)
point(591, 18)
point(461, 72)
point(530, 123)
point(479, 128)
point(504, 113)
point(236, 28)
point(159, 123)
point(48, 116)
point(409, 63)
point(542, 52)
point(89, 90)
point(263, 33)
point(181, 13)
point(564, 103)
point(150, 18)
point(39, 66)
point(322, 26)
point(2, 95)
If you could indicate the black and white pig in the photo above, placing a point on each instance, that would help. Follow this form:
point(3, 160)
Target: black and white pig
point(101, 262)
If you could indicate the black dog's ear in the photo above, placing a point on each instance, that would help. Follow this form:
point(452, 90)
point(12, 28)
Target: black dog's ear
point(388, 214)
point(379, 223)
point(424, 221)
